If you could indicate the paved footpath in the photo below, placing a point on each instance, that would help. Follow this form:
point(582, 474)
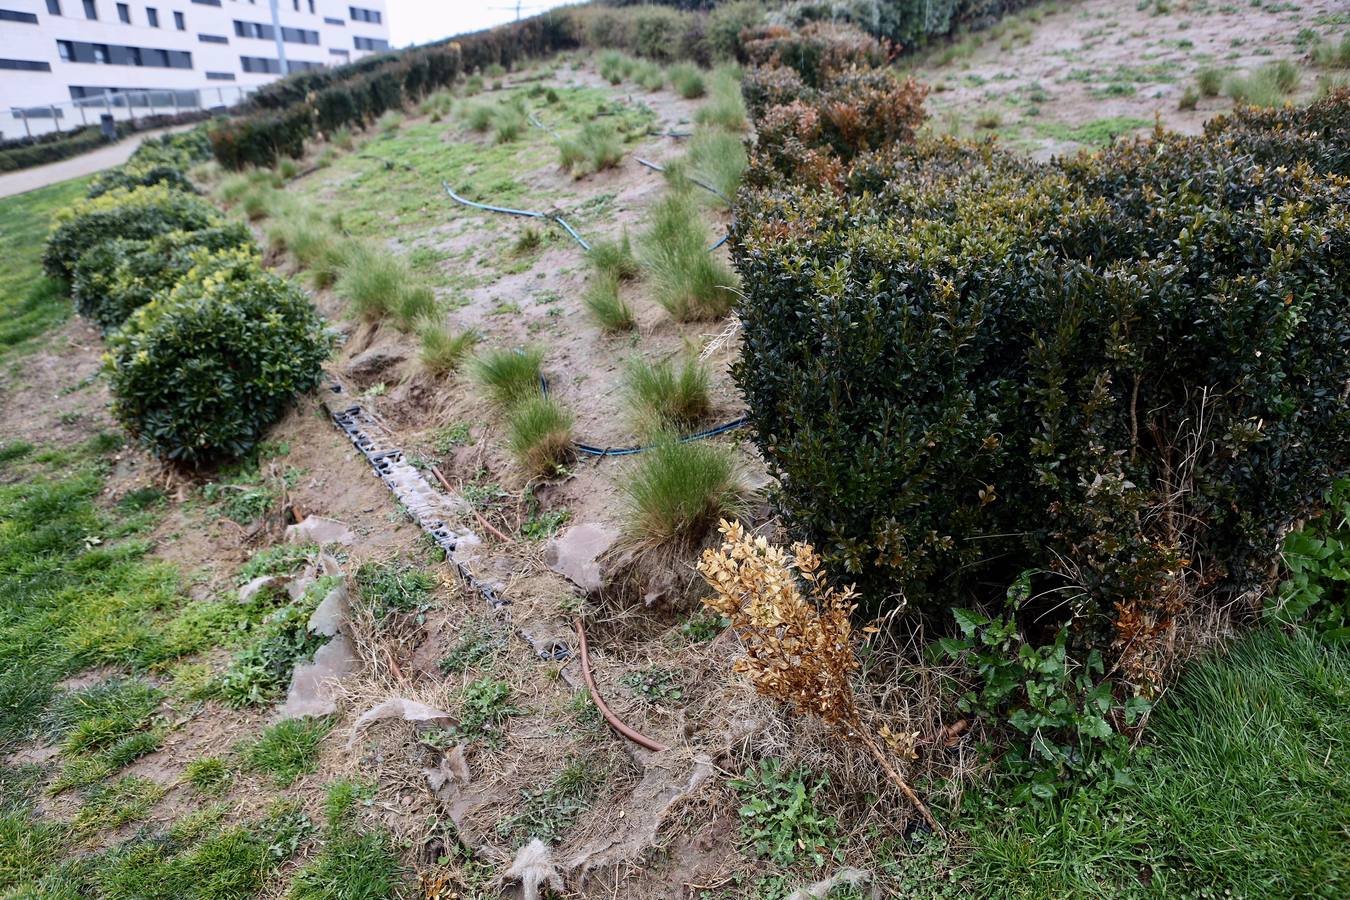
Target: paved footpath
point(26, 180)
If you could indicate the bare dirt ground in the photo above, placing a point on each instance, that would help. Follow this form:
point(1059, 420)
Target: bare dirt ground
point(1062, 76)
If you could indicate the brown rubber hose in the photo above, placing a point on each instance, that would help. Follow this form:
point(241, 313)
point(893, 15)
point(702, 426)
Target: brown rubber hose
point(636, 737)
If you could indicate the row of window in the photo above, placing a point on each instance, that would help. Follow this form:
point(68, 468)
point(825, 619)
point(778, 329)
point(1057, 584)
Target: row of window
point(261, 65)
point(358, 14)
point(91, 12)
point(119, 55)
point(264, 31)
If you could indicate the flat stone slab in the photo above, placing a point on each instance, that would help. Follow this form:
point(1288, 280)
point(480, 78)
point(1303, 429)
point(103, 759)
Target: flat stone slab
point(575, 554)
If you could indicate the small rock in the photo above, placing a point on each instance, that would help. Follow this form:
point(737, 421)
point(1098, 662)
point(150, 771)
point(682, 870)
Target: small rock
point(373, 361)
point(330, 612)
point(311, 690)
point(258, 585)
point(319, 530)
point(575, 554)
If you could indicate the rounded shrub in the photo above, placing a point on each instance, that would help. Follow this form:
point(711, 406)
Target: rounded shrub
point(137, 213)
point(199, 373)
point(115, 278)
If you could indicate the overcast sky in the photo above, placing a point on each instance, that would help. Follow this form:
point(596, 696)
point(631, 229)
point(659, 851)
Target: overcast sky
point(421, 21)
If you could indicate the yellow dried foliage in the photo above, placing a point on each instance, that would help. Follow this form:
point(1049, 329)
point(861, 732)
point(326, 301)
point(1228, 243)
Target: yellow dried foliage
point(798, 644)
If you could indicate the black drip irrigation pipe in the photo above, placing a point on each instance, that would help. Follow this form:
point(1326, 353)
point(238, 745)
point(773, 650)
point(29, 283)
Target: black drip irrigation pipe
point(592, 450)
point(554, 217)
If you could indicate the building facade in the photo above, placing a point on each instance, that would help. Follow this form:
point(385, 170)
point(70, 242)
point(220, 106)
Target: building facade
point(65, 62)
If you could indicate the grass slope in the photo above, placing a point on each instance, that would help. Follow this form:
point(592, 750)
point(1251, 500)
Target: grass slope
point(29, 303)
point(1243, 789)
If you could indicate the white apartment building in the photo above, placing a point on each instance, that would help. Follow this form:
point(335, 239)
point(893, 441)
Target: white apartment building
point(65, 62)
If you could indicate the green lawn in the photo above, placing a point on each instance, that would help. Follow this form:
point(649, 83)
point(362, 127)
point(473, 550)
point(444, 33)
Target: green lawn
point(30, 303)
point(1242, 790)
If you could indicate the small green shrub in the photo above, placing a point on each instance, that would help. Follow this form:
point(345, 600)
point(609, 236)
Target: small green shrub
point(602, 300)
point(1267, 86)
point(260, 139)
point(541, 435)
point(352, 864)
point(478, 645)
point(342, 139)
point(209, 775)
point(1190, 98)
point(680, 489)
point(1018, 432)
point(115, 278)
point(199, 373)
point(391, 121)
point(260, 672)
point(135, 214)
point(442, 351)
point(665, 396)
point(511, 376)
point(1210, 81)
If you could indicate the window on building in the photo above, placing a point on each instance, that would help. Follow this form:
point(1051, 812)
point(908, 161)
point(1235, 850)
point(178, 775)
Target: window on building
point(134, 57)
point(53, 7)
point(65, 50)
point(311, 7)
point(296, 4)
point(220, 76)
point(329, 20)
point(101, 54)
point(152, 16)
point(360, 14)
point(25, 65)
point(90, 10)
point(124, 13)
point(9, 15)
point(213, 39)
point(178, 21)
point(365, 43)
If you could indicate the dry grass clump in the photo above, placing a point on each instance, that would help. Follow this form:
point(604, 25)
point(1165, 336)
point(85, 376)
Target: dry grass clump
point(442, 350)
point(680, 489)
point(1267, 86)
point(665, 396)
point(511, 376)
point(378, 284)
point(603, 302)
point(541, 436)
point(391, 121)
point(799, 646)
point(690, 282)
point(596, 147)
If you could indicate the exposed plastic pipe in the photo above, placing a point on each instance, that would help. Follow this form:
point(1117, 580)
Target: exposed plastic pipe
point(614, 721)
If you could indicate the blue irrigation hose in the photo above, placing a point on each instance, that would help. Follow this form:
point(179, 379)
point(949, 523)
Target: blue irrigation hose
point(657, 167)
point(592, 450)
point(553, 217)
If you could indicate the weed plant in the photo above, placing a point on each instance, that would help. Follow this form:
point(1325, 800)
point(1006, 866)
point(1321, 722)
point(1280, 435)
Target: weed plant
point(286, 750)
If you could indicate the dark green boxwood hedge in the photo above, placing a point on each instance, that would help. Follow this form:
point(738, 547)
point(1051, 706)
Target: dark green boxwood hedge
point(115, 278)
point(1126, 372)
point(137, 213)
point(200, 372)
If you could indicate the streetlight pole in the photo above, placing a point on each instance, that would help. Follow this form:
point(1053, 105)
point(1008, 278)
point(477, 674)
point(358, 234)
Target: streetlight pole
point(276, 33)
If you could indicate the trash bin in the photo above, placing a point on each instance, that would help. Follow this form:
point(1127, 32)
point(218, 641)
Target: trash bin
point(107, 126)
